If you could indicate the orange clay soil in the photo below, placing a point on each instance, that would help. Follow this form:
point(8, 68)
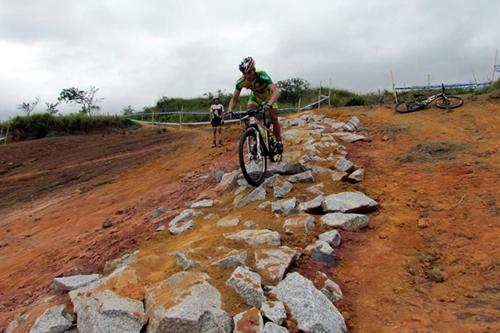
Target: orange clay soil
point(428, 263)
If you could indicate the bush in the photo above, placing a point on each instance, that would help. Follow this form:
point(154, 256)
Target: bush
point(40, 125)
point(496, 84)
point(355, 100)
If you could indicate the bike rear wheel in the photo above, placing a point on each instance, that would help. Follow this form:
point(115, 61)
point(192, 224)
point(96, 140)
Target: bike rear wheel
point(253, 162)
point(450, 102)
point(405, 107)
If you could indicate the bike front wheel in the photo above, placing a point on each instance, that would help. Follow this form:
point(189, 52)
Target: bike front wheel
point(253, 162)
point(405, 107)
point(450, 102)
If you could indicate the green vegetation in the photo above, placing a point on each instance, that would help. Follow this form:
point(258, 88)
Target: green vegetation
point(40, 125)
point(496, 85)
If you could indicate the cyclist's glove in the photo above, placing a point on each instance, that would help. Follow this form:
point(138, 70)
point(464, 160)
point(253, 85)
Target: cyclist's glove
point(267, 107)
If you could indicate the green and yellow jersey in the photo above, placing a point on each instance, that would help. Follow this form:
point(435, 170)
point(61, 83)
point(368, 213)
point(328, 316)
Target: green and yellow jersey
point(261, 93)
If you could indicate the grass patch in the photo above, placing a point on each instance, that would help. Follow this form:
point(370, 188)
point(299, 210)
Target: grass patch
point(433, 152)
point(392, 129)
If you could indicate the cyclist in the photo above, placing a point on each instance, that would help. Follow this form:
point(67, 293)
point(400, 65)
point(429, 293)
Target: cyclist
point(264, 92)
point(217, 119)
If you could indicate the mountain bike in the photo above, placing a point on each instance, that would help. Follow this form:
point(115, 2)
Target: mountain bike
point(257, 144)
point(441, 100)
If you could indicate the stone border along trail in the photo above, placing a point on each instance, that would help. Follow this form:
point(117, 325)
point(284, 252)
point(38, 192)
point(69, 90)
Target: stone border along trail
point(221, 265)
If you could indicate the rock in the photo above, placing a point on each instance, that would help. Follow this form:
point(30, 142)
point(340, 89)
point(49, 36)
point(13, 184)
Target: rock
point(158, 212)
point(249, 321)
point(353, 124)
point(74, 282)
point(357, 176)
point(258, 194)
point(349, 202)
point(247, 284)
point(349, 222)
point(218, 175)
point(281, 189)
point(16, 323)
point(264, 205)
point(242, 182)
point(338, 175)
point(256, 238)
point(332, 237)
point(206, 203)
point(54, 320)
point(183, 216)
point(292, 134)
point(312, 206)
point(184, 262)
point(272, 264)
point(274, 311)
point(240, 190)
point(119, 263)
point(344, 165)
point(301, 223)
point(271, 327)
point(316, 189)
point(211, 216)
point(186, 302)
point(228, 222)
point(160, 228)
point(304, 177)
point(107, 224)
point(322, 251)
point(316, 169)
point(233, 259)
point(332, 291)
point(285, 206)
point(105, 311)
point(249, 223)
point(309, 307)
point(181, 227)
point(285, 168)
point(228, 180)
point(350, 137)
point(333, 123)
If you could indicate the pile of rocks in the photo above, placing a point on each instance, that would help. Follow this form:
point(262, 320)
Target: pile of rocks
point(256, 260)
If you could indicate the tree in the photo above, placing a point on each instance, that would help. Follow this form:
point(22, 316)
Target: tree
point(52, 107)
point(28, 107)
point(127, 111)
point(85, 98)
point(292, 89)
point(224, 97)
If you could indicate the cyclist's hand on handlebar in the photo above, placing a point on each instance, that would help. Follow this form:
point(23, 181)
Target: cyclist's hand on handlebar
point(267, 107)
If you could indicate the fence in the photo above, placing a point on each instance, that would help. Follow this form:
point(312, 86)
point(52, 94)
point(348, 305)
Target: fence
point(4, 134)
point(322, 99)
point(454, 85)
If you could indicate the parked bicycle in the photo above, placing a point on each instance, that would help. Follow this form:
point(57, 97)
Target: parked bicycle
point(441, 100)
point(257, 144)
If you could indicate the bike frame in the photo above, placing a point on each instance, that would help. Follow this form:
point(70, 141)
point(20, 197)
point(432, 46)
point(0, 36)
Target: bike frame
point(254, 123)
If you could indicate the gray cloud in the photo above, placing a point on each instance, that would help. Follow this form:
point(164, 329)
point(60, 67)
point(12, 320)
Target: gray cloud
point(137, 52)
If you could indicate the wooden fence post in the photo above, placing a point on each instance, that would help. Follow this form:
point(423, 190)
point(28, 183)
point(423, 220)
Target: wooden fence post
point(330, 92)
point(319, 93)
point(298, 105)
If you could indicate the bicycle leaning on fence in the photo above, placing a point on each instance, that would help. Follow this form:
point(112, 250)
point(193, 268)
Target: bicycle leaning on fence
point(441, 100)
point(257, 144)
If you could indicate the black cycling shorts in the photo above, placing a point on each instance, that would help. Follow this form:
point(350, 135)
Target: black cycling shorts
point(216, 122)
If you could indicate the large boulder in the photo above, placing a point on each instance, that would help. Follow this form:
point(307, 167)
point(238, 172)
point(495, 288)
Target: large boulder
point(282, 188)
point(75, 281)
point(349, 202)
point(271, 327)
point(322, 251)
point(248, 285)
point(344, 165)
point(311, 206)
point(349, 222)
point(105, 311)
point(255, 238)
point(304, 177)
point(332, 237)
point(272, 264)
point(312, 310)
point(54, 320)
point(186, 303)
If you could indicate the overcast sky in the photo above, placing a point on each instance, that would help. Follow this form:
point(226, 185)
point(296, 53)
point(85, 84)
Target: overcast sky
point(138, 51)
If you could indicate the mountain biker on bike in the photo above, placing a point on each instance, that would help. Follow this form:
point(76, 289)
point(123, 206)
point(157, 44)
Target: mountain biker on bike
point(217, 119)
point(264, 93)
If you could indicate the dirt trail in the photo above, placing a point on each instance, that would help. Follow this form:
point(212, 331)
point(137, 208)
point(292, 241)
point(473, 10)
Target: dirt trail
point(440, 215)
point(439, 218)
point(55, 227)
